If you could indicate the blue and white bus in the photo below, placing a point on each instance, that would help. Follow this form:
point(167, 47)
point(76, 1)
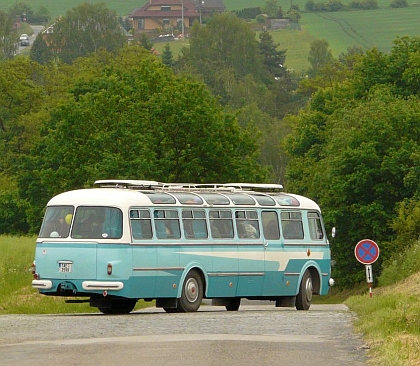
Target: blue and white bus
point(178, 244)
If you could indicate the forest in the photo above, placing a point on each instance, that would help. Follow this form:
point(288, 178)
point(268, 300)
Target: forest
point(345, 134)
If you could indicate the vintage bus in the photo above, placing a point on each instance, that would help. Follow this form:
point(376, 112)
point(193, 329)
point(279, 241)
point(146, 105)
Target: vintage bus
point(178, 244)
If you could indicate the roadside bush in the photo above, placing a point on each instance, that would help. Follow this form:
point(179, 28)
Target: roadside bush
point(399, 4)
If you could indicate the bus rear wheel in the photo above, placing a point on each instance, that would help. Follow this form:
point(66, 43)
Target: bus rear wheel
point(117, 306)
point(192, 293)
point(234, 304)
point(304, 297)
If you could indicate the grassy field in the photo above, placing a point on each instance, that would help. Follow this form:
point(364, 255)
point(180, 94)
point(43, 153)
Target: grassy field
point(297, 43)
point(373, 28)
point(123, 8)
point(16, 293)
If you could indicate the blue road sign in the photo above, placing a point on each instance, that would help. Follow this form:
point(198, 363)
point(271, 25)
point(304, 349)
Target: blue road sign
point(366, 251)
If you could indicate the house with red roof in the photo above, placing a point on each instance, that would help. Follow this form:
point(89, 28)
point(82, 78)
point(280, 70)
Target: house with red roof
point(168, 14)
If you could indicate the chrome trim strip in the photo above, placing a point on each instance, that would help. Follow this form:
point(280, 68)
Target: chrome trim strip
point(158, 268)
point(191, 244)
point(227, 274)
point(291, 273)
point(305, 245)
point(102, 285)
point(42, 284)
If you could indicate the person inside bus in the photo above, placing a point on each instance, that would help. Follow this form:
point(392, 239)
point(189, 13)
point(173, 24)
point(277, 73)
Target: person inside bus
point(247, 230)
point(293, 230)
point(271, 231)
point(91, 227)
point(60, 228)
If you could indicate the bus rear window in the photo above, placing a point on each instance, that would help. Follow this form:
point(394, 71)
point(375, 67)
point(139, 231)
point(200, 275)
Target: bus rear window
point(57, 221)
point(97, 223)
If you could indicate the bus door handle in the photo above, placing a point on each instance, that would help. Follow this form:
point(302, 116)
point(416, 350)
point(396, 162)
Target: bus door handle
point(265, 244)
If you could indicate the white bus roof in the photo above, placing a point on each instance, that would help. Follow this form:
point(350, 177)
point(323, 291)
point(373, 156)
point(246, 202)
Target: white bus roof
point(122, 197)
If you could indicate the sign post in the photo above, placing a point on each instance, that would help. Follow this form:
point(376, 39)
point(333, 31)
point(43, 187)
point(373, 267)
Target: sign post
point(367, 252)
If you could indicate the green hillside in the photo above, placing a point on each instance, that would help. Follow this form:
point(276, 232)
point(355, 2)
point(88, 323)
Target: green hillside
point(123, 8)
point(369, 28)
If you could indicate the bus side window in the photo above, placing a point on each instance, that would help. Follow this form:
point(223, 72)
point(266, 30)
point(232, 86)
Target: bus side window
point(270, 222)
point(141, 225)
point(167, 224)
point(194, 222)
point(221, 224)
point(247, 224)
point(291, 223)
point(315, 227)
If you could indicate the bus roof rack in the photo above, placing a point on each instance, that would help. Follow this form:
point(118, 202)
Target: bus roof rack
point(146, 184)
point(252, 186)
point(122, 183)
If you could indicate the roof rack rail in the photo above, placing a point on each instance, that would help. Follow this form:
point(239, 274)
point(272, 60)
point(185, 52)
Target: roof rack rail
point(214, 187)
point(133, 184)
point(252, 186)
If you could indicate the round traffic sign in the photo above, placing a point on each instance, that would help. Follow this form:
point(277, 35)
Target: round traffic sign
point(366, 251)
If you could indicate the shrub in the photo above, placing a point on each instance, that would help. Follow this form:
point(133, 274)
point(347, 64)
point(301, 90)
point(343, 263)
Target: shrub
point(399, 4)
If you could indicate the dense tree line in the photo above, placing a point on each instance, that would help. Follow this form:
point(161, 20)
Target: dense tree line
point(225, 110)
point(356, 149)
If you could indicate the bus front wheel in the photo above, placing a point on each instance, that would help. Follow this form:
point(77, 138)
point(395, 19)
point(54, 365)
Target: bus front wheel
point(192, 293)
point(304, 297)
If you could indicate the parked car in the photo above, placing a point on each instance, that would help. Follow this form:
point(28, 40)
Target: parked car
point(24, 40)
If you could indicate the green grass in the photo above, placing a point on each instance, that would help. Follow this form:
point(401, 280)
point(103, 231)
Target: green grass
point(373, 28)
point(16, 293)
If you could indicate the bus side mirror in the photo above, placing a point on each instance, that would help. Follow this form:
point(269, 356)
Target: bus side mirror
point(333, 232)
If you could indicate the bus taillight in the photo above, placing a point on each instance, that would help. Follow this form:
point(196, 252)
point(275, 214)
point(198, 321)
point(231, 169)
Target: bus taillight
point(34, 271)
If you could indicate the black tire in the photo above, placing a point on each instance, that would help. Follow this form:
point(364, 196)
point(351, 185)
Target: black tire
point(234, 304)
point(192, 293)
point(114, 307)
point(304, 297)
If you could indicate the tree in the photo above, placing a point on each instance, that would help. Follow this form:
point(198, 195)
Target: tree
point(20, 93)
point(42, 15)
point(84, 30)
point(223, 51)
point(271, 8)
point(167, 56)
point(8, 36)
point(319, 56)
point(273, 59)
point(23, 10)
point(146, 42)
point(40, 52)
point(135, 119)
point(355, 150)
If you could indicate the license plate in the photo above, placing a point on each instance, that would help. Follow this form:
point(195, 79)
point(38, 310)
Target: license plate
point(65, 267)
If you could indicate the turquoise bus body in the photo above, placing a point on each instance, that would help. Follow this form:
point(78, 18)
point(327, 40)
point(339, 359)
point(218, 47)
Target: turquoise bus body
point(113, 271)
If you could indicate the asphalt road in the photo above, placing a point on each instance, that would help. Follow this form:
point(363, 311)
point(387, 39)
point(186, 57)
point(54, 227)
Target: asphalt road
point(255, 335)
point(36, 29)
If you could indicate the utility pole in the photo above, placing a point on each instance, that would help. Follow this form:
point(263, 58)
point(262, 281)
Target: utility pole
point(182, 19)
